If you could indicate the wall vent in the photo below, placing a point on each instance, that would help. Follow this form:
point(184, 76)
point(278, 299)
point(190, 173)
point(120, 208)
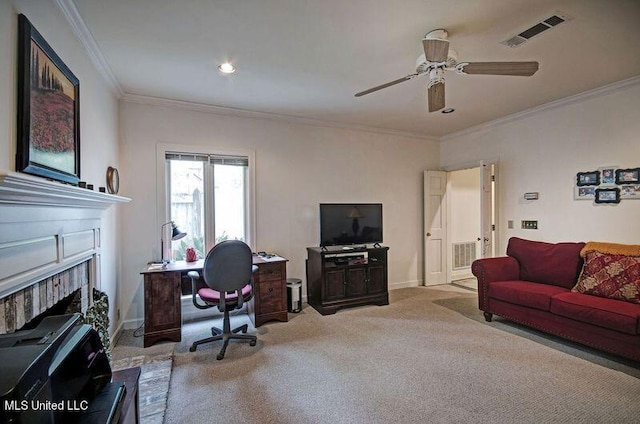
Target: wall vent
point(545, 24)
point(464, 254)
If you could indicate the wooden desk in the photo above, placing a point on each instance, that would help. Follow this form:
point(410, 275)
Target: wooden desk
point(130, 412)
point(162, 296)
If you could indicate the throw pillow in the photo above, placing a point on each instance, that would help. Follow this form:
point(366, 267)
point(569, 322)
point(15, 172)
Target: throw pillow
point(611, 271)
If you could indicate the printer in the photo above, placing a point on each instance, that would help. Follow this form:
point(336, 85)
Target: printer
point(57, 372)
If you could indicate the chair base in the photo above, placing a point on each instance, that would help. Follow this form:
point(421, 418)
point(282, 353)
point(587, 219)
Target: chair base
point(225, 335)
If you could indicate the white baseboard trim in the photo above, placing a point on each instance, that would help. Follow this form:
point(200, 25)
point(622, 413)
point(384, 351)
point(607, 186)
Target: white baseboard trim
point(405, 284)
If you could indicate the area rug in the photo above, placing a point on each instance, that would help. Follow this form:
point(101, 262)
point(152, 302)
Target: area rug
point(428, 356)
point(155, 374)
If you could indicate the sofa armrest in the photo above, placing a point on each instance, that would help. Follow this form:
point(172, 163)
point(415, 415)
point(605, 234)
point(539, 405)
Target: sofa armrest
point(487, 270)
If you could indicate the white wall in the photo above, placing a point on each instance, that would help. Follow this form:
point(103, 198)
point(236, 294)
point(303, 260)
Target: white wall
point(464, 197)
point(543, 151)
point(297, 167)
point(98, 114)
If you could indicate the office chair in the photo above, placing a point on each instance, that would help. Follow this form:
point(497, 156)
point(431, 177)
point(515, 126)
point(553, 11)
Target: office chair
point(227, 272)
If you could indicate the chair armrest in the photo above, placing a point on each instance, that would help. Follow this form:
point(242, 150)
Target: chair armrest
point(194, 275)
point(488, 270)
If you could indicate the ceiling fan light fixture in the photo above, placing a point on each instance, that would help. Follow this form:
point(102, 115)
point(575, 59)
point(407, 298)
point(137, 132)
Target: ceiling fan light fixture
point(226, 68)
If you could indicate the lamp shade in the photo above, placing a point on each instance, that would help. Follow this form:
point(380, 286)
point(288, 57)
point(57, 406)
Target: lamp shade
point(176, 234)
point(355, 213)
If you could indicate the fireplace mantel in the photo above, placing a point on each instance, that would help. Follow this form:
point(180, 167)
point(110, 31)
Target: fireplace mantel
point(22, 189)
point(47, 227)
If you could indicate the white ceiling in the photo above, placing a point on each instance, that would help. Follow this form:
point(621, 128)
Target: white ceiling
point(307, 58)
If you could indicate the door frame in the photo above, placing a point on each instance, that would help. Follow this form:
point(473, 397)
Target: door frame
point(496, 233)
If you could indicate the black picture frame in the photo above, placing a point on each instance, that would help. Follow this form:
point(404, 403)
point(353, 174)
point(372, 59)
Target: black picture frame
point(48, 112)
point(607, 195)
point(628, 176)
point(591, 178)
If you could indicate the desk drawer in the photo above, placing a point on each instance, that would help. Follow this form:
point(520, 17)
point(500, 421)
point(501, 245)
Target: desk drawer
point(269, 272)
point(271, 296)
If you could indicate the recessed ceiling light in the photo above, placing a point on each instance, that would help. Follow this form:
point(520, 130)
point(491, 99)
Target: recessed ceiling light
point(226, 68)
point(448, 110)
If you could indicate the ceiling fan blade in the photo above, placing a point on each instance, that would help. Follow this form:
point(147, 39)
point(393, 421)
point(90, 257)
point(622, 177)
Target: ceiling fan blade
point(435, 97)
point(523, 69)
point(435, 50)
point(389, 84)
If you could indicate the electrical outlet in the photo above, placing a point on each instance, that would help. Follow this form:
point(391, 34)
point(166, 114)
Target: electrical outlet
point(529, 225)
point(510, 224)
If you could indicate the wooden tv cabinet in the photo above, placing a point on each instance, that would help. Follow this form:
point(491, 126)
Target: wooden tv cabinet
point(338, 278)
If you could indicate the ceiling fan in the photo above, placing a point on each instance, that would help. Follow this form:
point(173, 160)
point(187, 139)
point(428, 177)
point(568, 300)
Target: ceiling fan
point(438, 57)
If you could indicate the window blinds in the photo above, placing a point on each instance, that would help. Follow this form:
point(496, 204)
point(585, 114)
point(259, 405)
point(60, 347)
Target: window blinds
point(213, 159)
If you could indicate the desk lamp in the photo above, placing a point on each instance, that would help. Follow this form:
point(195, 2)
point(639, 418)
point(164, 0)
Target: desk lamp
point(176, 234)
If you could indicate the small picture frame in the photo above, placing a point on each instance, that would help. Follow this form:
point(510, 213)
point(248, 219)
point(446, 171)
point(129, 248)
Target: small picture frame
point(631, 191)
point(591, 178)
point(607, 195)
point(608, 175)
point(628, 176)
point(585, 193)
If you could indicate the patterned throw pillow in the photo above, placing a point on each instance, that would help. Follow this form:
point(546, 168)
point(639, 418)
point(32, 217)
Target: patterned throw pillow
point(610, 275)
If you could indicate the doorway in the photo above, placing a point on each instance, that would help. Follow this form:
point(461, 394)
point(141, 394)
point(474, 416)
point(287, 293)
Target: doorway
point(460, 222)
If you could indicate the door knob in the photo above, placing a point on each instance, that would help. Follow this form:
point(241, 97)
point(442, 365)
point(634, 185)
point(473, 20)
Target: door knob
point(428, 234)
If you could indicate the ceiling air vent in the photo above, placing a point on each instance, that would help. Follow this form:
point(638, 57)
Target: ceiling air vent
point(536, 29)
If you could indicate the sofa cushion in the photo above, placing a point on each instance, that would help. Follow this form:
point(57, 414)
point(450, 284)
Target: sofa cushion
point(525, 293)
point(549, 263)
point(609, 313)
point(611, 271)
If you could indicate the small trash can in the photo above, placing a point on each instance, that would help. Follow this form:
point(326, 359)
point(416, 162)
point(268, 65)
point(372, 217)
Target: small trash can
point(294, 295)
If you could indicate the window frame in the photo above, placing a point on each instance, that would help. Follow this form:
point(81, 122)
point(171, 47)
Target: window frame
point(163, 207)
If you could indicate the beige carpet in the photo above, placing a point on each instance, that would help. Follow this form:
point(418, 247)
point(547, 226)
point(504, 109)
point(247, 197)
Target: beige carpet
point(427, 357)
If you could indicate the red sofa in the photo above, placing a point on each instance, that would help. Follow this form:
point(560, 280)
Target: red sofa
point(533, 284)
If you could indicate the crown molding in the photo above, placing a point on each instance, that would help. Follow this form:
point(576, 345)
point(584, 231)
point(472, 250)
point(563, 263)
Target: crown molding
point(244, 113)
point(600, 91)
point(80, 29)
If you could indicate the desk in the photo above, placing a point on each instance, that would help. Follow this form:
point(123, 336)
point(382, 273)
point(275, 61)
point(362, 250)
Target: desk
point(162, 296)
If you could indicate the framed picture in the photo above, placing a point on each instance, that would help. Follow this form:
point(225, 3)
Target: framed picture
point(608, 195)
point(608, 175)
point(591, 178)
point(630, 191)
point(584, 193)
point(48, 110)
point(628, 176)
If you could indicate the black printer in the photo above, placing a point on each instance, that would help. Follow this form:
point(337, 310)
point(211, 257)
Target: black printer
point(57, 373)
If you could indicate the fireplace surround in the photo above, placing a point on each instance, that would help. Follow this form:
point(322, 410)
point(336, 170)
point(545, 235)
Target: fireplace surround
point(49, 245)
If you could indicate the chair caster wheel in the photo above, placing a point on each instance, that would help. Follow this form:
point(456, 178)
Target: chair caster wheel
point(220, 357)
point(192, 349)
point(252, 343)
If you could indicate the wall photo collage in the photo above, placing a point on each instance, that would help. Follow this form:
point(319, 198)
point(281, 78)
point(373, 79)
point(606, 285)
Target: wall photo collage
point(608, 184)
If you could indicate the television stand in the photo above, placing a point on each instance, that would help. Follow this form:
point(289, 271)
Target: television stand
point(338, 278)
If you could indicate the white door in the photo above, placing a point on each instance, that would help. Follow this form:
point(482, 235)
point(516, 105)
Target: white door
point(487, 213)
point(435, 228)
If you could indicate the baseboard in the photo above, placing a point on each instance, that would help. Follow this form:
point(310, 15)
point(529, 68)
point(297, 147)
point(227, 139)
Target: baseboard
point(405, 284)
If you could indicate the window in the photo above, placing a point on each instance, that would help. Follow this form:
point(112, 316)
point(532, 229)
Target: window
point(208, 199)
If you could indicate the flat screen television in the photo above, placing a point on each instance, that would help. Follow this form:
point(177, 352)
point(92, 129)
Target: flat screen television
point(350, 223)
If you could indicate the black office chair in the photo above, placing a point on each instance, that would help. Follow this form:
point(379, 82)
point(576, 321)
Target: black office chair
point(227, 272)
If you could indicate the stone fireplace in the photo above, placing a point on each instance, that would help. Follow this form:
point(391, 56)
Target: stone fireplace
point(49, 247)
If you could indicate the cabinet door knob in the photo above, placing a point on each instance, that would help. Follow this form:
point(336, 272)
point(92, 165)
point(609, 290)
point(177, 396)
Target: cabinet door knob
point(270, 289)
point(428, 234)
